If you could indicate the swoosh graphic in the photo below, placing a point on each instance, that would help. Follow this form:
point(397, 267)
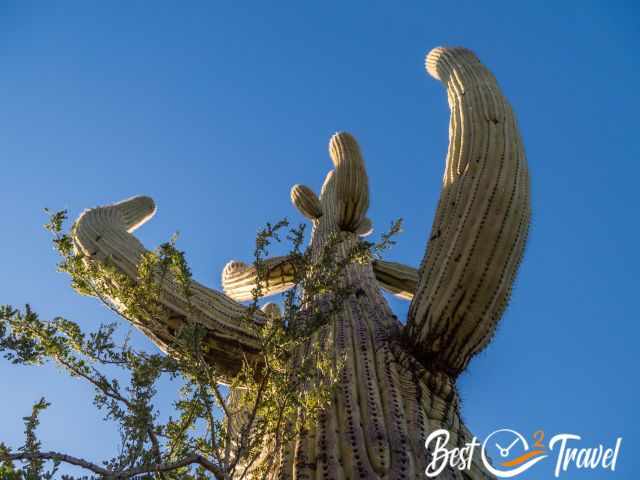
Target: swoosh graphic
point(522, 458)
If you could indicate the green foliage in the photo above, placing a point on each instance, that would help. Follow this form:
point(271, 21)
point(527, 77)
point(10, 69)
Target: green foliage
point(34, 468)
point(218, 431)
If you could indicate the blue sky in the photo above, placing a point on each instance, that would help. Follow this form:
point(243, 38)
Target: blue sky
point(217, 109)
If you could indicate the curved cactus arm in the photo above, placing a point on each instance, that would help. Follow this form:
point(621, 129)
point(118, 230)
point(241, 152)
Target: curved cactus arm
point(103, 235)
point(399, 279)
point(239, 279)
point(480, 227)
point(351, 181)
point(306, 201)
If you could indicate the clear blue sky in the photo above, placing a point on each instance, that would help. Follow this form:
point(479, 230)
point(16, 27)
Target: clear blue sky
point(217, 108)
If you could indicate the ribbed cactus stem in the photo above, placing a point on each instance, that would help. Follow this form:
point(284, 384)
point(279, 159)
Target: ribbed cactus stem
point(239, 279)
point(306, 201)
point(481, 222)
point(399, 279)
point(352, 184)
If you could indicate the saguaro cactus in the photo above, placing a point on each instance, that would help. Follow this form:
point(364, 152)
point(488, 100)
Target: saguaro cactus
point(398, 379)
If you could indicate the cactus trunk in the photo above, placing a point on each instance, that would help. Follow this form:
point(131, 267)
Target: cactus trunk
point(384, 405)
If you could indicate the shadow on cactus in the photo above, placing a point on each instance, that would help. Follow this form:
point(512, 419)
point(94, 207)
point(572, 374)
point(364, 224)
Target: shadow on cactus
point(331, 385)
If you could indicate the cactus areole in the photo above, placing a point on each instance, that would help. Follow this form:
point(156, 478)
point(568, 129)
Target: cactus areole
point(393, 389)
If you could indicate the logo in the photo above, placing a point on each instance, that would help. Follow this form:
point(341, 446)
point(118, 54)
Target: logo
point(509, 466)
point(513, 454)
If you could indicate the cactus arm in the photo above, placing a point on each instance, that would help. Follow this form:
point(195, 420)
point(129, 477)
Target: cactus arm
point(351, 181)
point(306, 201)
point(239, 279)
point(480, 227)
point(399, 279)
point(103, 235)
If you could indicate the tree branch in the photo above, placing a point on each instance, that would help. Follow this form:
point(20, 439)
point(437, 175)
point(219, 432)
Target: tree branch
point(158, 468)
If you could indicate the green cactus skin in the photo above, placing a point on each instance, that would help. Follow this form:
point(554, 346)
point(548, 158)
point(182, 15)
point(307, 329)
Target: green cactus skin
point(398, 382)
